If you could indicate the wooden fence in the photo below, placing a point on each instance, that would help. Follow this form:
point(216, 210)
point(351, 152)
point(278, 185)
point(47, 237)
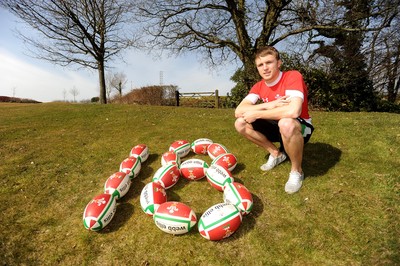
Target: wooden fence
point(214, 103)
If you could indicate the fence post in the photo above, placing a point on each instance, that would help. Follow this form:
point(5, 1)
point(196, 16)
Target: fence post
point(216, 99)
point(177, 97)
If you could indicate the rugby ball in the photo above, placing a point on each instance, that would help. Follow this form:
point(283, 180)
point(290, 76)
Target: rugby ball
point(193, 169)
point(218, 176)
point(167, 175)
point(152, 195)
point(216, 149)
point(117, 184)
point(219, 221)
point(174, 218)
point(238, 195)
point(226, 160)
point(131, 166)
point(170, 157)
point(200, 146)
point(99, 212)
point(141, 151)
point(180, 147)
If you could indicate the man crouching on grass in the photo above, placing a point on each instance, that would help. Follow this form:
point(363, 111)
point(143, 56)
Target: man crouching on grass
point(282, 117)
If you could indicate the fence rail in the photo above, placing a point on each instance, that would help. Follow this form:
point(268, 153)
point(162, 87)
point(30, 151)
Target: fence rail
point(199, 95)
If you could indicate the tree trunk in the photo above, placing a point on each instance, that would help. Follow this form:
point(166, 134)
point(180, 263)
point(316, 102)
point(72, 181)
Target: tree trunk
point(393, 85)
point(393, 89)
point(102, 82)
point(251, 75)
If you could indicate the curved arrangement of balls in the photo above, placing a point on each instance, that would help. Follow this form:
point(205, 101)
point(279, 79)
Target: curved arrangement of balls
point(101, 209)
point(217, 222)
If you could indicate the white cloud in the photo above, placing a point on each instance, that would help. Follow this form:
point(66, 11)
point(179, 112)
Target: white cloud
point(39, 83)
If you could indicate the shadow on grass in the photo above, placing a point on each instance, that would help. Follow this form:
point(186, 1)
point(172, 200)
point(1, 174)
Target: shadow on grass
point(146, 171)
point(239, 167)
point(319, 158)
point(123, 213)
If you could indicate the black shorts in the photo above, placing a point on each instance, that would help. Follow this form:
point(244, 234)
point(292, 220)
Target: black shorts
point(270, 129)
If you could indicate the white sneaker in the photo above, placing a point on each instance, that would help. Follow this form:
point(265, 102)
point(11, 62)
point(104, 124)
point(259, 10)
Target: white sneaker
point(294, 182)
point(272, 162)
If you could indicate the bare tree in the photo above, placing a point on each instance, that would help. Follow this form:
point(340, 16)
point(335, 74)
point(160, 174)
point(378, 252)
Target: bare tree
point(108, 79)
point(64, 95)
point(84, 32)
point(384, 60)
point(118, 82)
point(74, 92)
point(226, 30)
point(115, 81)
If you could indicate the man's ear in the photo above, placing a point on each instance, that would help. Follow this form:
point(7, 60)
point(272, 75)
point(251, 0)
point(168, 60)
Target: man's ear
point(279, 63)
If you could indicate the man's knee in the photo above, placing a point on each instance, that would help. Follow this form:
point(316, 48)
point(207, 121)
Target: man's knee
point(240, 125)
point(289, 127)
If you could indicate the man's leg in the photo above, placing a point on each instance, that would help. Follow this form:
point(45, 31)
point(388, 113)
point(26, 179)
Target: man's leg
point(263, 133)
point(293, 141)
point(256, 137)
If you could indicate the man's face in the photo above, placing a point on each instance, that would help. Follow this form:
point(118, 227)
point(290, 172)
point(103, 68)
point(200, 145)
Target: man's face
point(268, 67)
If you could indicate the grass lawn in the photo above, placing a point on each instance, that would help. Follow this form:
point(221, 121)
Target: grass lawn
point(56, 157)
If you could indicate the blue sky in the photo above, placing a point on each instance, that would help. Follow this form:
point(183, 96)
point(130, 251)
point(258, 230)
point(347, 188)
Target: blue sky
point(26, 77)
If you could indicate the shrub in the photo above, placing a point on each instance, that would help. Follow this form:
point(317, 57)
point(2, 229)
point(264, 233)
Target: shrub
point(386, 106)
point(7, 99)
point(150, 95)
point(95, 100)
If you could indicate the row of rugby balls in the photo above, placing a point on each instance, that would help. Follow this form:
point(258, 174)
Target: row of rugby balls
point(101, 209)
point(218, 221)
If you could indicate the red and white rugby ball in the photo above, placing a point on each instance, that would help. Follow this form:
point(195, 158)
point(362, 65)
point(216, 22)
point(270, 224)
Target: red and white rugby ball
point(193, 169)
point(180, 147)
point(218, 176)
point(167, 175)
point(152, 195)
point(219, 221)
point(216, 149)
point(99, 212)
point(226, 160)
point(141, 151)
point(200, 146)
point(131, 166)
point(174, 218)
point(170, 157)
point(238, 195)
point(117, 184)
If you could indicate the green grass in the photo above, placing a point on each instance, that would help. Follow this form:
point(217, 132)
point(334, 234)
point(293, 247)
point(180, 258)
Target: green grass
point(56, 157)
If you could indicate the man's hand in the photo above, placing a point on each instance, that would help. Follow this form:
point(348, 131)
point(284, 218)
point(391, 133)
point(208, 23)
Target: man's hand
point(250, 116)
point(284, 100)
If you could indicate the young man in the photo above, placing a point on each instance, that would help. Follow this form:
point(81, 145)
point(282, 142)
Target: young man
point(282, 117)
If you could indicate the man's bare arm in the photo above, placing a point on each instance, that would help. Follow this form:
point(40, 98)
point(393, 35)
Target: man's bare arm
point(246, 106)
point(290, 109)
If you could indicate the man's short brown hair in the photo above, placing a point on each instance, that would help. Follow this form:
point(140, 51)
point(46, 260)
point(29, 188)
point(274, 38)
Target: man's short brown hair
point(267, 50)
